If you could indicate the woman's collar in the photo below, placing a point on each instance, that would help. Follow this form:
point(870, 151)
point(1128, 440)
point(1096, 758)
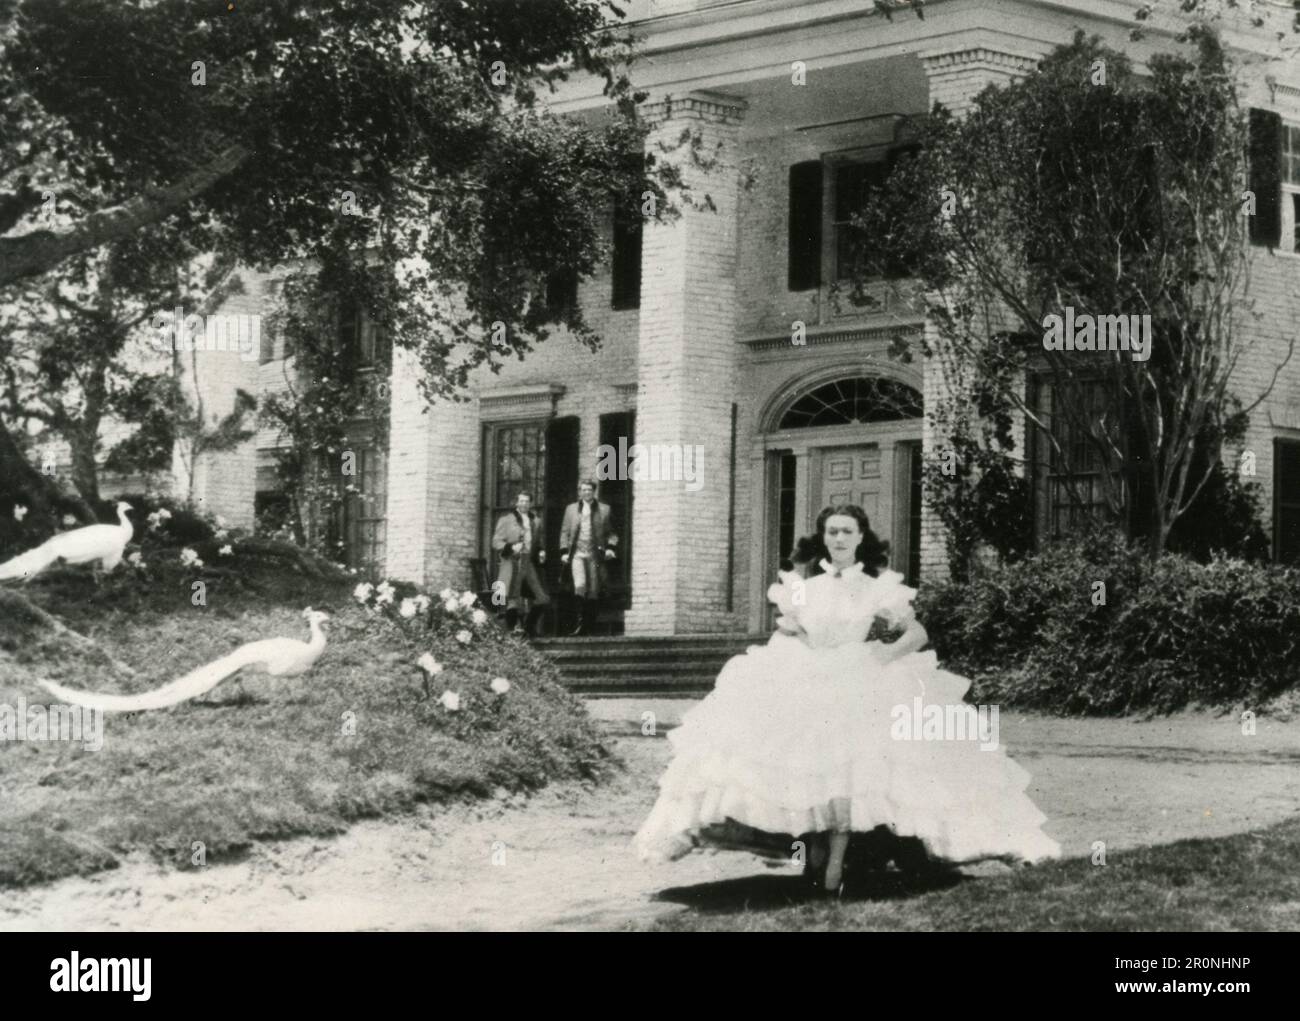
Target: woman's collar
point(826, 566)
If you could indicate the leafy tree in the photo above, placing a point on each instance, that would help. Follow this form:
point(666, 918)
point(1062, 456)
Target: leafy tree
point(406, 142)
point(1088, 186)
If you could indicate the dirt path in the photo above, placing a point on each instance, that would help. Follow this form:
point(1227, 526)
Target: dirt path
point(563, 862)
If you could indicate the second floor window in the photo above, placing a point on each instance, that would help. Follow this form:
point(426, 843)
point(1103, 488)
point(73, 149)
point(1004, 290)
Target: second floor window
point(854, 184)
point(625, 269)
point(361, 341)
point(1291, 187)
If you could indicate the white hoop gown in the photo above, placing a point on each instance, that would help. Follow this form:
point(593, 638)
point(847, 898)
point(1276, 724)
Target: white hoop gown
point(810, 733)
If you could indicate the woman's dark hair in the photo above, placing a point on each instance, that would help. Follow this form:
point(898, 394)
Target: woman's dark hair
point(872, 551)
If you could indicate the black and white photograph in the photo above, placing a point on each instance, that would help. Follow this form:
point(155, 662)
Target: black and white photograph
point(520, 466)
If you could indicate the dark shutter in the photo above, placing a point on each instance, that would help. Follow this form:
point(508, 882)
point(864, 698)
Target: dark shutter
point(805, 235)
point(617, 493)
point(626, 263)
point(562, 440)
point(1266, 177)
point(1286, 501)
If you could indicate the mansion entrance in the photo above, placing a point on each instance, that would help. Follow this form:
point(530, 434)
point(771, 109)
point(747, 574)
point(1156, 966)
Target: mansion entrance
point(855, 440)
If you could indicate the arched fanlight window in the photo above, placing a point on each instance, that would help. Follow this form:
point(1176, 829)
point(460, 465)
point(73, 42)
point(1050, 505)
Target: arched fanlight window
point(857, 401)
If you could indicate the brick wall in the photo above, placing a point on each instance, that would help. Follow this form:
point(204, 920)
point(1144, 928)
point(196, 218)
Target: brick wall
point(224, 482)
point(687, 376)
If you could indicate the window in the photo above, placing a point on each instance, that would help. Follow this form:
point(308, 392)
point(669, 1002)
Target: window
point(625, 270)
point(1071, 484)
point(1286, 501)
point(853, 402)
point(363, 521)
point(561, 292)
point(1291, 187)
point(785, 504)
point(517, 465)
point(362, 341)
point(854, 183)
point(350, 517)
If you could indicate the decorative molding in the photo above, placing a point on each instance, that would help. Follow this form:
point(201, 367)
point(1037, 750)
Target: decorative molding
point(628, 392)
point(818, 336)
point(696, 106)
point(536, 399)
point(983, 58)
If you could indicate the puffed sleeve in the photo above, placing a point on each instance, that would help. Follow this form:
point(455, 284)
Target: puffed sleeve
point(894, 599)
point(788, 594)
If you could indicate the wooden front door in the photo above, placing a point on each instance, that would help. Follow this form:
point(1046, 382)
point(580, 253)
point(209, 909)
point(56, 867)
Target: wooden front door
point(852, 475)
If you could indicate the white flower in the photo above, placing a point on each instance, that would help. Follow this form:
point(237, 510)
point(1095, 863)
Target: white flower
point(384, 593)
point(222, 535)
point(467, 599)
point(446, 594)
point(69, 520)
point(135, 560)
point(20, 512)
point(479, 617)
point(407, 609)
point(430, 665)
point(189, 558)
point(451, 606)
point(463, 636)
point(221, 523)
point(362, 592)
point(500, 685)
point(421, 603)
point(450, 701)
point(225, 551)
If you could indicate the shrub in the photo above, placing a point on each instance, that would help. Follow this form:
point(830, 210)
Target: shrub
point(1151, 637)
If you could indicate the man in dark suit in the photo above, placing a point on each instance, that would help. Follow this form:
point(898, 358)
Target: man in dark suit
point(586, 542)
point(518, 544)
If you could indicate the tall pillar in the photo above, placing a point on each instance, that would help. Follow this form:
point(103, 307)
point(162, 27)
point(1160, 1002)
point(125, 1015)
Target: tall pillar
point(687, 380)
point(957, 74)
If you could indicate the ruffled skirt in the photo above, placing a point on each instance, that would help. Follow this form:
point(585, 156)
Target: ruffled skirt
point(795, 740)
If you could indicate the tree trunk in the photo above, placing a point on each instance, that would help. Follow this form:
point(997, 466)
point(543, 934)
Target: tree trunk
point(85, 473)
point(23, 484)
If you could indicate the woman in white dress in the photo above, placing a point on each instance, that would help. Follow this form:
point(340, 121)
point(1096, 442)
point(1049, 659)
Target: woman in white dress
point(811, 733)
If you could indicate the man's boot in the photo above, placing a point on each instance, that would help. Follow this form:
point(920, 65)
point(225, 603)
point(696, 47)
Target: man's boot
point(589, 616)
point(530, 623)
point(579, 617)
point(512, 618)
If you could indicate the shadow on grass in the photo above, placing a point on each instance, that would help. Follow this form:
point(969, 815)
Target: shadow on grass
point(762, 893)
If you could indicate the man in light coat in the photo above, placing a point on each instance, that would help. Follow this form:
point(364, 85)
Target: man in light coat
point(517, 541)
point(586, 543)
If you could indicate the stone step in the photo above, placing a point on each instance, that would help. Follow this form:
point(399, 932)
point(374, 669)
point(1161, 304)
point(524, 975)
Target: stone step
point(677, 665)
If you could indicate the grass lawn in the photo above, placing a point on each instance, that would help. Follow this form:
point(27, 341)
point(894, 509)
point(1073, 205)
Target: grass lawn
point(1244, 882)
point(229, 771)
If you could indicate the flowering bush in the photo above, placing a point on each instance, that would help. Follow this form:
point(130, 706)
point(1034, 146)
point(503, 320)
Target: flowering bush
point(461, 628)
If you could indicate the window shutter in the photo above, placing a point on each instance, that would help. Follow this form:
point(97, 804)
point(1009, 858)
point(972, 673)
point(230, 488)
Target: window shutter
point(617, 493)
point(805, 234)
point(562, 441)
point(1266, 177)
point(626, 267)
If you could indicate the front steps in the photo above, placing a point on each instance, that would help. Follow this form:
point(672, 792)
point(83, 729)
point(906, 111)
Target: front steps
point(678, 666)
